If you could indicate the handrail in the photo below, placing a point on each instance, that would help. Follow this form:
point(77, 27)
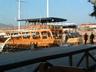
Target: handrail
point(3, 44)
point(45, 56)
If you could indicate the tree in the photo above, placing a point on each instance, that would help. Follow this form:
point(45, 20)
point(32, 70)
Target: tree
point(94, 7)
point(94, 12)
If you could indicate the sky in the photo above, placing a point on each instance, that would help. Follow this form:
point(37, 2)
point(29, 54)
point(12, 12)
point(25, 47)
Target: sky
point(75, 11)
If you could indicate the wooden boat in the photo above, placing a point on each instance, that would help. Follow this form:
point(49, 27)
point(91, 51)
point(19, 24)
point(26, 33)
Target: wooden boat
point(37, 33)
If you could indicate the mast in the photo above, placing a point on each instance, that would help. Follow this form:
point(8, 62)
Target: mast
point(19, 13)
point(47, 8)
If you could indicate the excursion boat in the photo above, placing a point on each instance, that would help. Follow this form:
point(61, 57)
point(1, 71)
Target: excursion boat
point(39, 32)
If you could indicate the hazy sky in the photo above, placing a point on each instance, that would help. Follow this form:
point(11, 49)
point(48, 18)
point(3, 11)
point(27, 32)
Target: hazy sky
point(75, 11)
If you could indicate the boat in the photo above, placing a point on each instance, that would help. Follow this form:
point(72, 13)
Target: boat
point(38, 33)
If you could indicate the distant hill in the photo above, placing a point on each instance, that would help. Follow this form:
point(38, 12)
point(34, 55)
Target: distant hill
point(10, 27)
point(6, 27)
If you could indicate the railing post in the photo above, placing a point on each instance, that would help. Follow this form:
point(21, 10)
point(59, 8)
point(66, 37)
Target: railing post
point(43, 66)
point(78, 64)
point(87, 59)
point(70, 60)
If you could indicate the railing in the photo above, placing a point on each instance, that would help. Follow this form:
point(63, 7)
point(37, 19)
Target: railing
point(3, 44)
point(42, 56)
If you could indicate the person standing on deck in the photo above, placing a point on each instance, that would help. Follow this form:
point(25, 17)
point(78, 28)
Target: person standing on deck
point(85, 38)
point(64, 37)
point(91, 38)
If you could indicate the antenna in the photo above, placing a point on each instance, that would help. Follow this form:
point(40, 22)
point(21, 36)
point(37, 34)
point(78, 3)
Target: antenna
point(47, 8)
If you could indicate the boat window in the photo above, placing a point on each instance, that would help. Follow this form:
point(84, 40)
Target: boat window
point(14, 33)
point(26, 34)
point(7, 33)
point(73, 35)
point(57, 34)
point(45, 34)
point(35, 35)
point(1, 36)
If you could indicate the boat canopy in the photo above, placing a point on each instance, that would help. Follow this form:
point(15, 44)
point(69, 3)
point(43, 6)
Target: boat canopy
point(70, 26)
point(44, 20)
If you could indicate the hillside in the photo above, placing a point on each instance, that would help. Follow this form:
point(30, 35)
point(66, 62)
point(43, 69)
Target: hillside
point(5, 26)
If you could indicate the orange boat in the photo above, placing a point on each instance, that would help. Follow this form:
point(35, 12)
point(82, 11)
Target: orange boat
point(38, 33)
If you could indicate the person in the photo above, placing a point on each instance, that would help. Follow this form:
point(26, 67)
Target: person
point(64, 38)
point(91, 38)
point(85, 38)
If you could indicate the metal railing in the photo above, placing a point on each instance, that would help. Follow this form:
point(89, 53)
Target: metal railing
point(40, 59)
